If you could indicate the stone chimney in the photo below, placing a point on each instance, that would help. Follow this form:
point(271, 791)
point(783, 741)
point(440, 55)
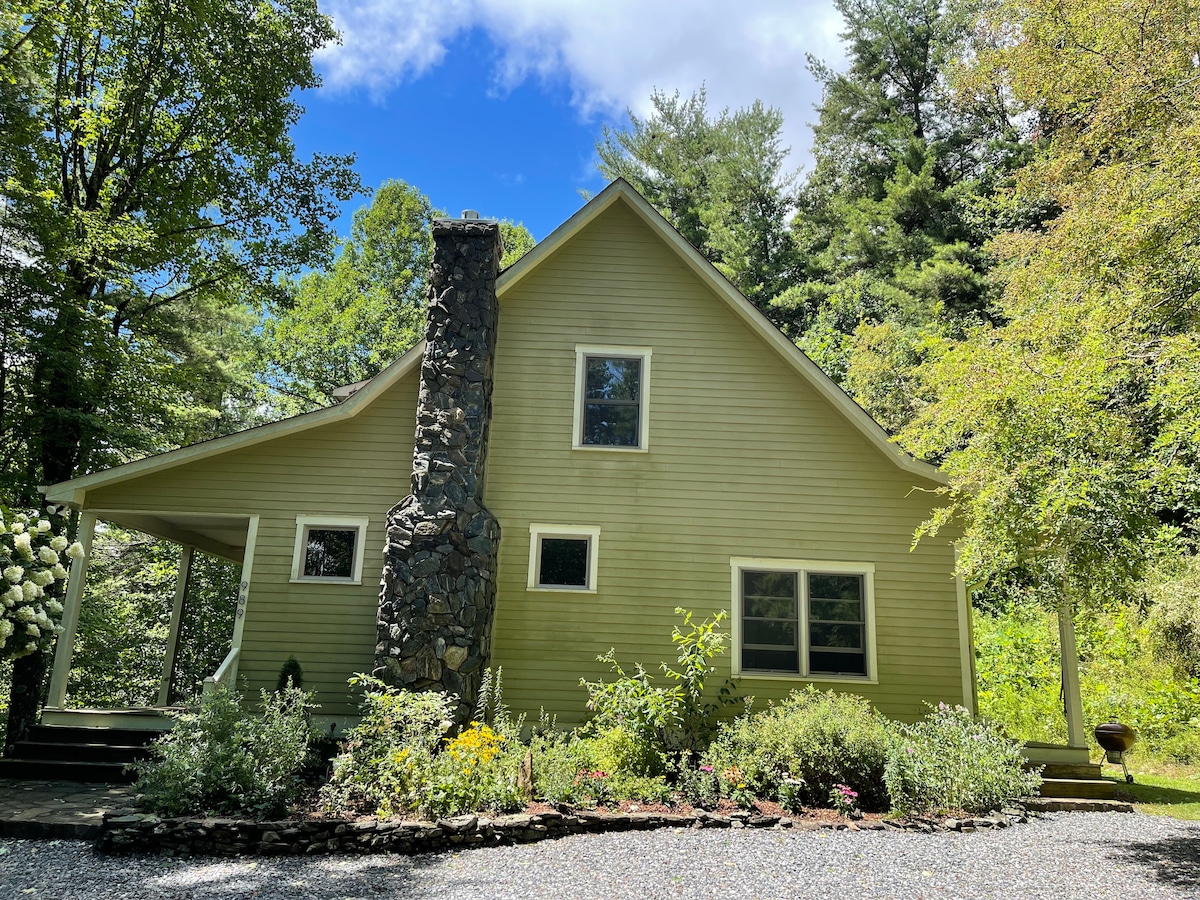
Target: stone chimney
point(439, 576)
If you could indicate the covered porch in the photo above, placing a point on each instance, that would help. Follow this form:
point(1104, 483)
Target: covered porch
point(229, 537)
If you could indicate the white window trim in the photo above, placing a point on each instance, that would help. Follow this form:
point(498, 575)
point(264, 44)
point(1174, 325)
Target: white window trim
point(539, 531)
point(582, 352)
point(304, 523)
point(803, 566)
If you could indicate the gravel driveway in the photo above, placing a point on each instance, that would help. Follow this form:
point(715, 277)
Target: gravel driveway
point(1089, 856)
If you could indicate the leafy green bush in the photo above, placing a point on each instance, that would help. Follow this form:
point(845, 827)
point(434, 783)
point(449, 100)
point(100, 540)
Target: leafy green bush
point(591, 771)
point(805, 745)
point(399, 758)
point(951, 761)
point(222, 758)
point(654, 722)
point(290, 674)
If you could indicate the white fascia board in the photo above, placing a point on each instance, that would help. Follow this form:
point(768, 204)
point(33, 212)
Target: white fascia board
point(812, 374)
point(73, 492)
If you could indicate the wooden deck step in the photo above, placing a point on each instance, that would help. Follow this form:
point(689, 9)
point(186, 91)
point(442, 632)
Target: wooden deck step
point(1081, 788)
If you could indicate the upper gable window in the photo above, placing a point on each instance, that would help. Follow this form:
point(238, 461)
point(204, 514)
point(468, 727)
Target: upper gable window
point(329, 549)
point(612, 398)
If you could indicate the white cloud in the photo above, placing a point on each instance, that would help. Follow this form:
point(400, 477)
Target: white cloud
point(612, 54)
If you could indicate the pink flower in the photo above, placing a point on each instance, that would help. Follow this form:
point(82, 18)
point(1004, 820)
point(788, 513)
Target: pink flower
point(707, 769)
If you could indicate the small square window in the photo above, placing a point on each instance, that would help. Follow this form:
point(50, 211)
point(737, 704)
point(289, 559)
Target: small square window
point(329, 549)
point(329, 552)
point(611, 398)
point(563, 557)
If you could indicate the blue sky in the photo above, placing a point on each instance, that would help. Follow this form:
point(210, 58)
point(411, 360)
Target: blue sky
point(496, 105)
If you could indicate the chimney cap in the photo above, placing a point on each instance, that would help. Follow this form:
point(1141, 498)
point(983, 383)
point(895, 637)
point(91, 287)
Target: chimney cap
point(470, 214)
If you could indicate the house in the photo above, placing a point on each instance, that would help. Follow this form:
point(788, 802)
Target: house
point(650, 441)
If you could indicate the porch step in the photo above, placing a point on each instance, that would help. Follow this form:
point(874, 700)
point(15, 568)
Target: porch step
point(78, 753)
point(60, 752)
point(1083, 788)
point(64, 770)
point(1084, 771)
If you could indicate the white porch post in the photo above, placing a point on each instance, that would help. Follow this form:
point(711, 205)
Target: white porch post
point(70, 617)
point(181, 587)
point(1072, 698)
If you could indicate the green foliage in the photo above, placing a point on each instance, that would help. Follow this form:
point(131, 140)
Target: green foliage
point(517, 241)
point(651, 722)
point(386, 759)
point(1175, 614)
point(951, 761)
point(399, 759)
point(1122, 676)
point(592, 770)
point(818, 739)
point(719, 180)
point(126, 613)
point(222, 758)
point(347, 324)
point(290, 674)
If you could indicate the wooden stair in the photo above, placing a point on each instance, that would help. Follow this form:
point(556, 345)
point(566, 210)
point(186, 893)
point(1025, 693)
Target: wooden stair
point(76, 753)
point(1080, 781)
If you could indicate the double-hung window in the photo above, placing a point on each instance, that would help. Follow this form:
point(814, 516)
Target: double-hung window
point(804, 618)
point(329, 549)
point(612, 398)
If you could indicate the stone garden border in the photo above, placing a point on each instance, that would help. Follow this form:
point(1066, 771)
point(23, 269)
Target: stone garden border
point(133, 832)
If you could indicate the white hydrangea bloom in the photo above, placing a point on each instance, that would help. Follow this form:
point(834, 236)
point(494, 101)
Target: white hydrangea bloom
point(43, 526)
point(33, 630)
point(24, 614)
point(18, 527)
point(42, 578)
point(3, 527)
point(58, 571)
point(54, 606)
point(59, 544)
point(6, 628)
point(75, 551)
point(23, 544)
point(42, 620)
point(47, 555)
point(12, 596)
point(14, 574)
point(31, 591)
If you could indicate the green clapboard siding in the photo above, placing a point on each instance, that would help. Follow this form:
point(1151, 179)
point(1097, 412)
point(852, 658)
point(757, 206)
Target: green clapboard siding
point(745, 460)
point(359, 467)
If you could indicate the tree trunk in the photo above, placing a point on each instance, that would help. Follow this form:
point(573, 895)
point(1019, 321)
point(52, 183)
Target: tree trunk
point(28, 681)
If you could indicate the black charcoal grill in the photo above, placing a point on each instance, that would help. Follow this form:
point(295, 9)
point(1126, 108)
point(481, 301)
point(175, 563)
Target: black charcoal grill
point(1115, 739)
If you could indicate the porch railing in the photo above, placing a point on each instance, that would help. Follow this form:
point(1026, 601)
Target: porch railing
point(224, 673)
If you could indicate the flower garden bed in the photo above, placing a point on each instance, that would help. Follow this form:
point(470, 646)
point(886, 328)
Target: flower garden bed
point(135, 832)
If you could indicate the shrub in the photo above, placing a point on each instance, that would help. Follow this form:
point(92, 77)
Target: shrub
point(575, 770)
point(951, 761)
point(799, 749)
point(290, 675)
point(386, 762)
point(661, 721)
point(399, 758)
point(221, 758)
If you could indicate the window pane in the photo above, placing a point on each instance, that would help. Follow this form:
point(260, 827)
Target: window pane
point(613, 379)
point(564, 562)
point(770, 607)
point(330, 553)
point(774, 633)
point(835, 587)
point(834, 663)
point(770, 660)
point(820, 635)
point(835, 610)
point(610, 424)
point(769, 584)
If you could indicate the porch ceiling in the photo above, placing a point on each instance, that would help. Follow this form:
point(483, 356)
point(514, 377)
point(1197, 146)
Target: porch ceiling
point(218, 535)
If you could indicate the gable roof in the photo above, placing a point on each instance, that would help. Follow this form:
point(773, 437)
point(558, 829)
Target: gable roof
point(360, 395)
point(621, 191)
